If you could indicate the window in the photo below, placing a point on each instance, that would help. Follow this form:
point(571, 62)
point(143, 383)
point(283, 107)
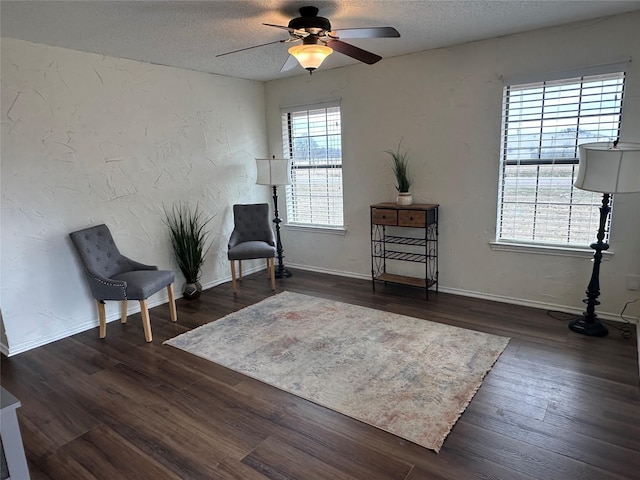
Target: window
point(542, 125)
point(313, 140)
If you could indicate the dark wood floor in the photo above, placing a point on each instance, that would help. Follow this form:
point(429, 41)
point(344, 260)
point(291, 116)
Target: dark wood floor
point(556, 405)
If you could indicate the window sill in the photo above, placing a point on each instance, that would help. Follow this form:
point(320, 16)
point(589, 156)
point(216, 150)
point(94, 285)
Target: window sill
point(315, 229)
point(548, 250)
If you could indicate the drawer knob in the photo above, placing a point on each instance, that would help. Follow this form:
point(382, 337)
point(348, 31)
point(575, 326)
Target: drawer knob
point(411, 218)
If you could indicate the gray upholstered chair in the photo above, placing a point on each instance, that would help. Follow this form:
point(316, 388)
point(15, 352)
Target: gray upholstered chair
point(112, 276)
point(252, 238)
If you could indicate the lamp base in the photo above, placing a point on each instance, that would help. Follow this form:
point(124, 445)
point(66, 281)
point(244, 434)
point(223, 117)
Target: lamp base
point(283, 273)
point(594, 328)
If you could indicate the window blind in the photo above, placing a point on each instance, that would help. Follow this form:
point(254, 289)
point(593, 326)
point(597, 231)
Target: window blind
point(312, 138)
point(543, 124)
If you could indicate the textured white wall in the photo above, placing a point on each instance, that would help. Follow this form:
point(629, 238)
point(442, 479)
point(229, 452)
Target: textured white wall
point(88, 139)
point(446, 103)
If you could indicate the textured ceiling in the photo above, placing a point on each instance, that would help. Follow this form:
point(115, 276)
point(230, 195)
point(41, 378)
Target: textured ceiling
point(189, 34)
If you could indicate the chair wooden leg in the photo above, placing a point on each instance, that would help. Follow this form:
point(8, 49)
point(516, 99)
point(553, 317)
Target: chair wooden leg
point(233, 276)
point(240, 270)
point(123, 312)
point(103, 319)
point(172, 303)
point(146, 323)
point(271, 270)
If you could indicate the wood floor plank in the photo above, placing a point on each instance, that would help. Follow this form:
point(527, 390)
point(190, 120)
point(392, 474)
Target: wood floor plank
point(615, 428)
point(579, 381)
point(507, 404)
point(556, 406)
point(556, 440)
point(291, 422)
point(101, 454)
point(142, 409)
point(593, 363)
point(280, 461)
point(62, 423)
point(526, 458)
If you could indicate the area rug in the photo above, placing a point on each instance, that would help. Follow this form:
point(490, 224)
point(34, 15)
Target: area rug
point(404, 375)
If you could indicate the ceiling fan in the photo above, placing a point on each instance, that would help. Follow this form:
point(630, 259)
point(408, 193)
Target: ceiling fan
point(319, 40)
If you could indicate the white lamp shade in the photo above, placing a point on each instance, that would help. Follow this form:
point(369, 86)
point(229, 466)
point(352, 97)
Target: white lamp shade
point(607, 169)
point(310, 56)
point(273, 171)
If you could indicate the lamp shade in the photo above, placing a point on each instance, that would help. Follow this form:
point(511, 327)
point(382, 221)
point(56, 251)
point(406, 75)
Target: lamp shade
point(310, 56)
point(608, 168)
point(273, 171)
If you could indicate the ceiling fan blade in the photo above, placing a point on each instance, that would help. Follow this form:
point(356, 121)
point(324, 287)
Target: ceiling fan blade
point(290, 64)
point(249, 48)
point(370, 32)
point(296, 34)
point(354, 52)
point(279, 26)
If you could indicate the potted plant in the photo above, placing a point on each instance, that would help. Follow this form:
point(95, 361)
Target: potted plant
point(403, 182)
point(188, 239)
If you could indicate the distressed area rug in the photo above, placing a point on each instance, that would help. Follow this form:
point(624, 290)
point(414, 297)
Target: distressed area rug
point(404, 375)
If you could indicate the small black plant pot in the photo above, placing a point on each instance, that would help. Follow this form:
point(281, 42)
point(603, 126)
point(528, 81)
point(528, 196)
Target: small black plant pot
point(191, 291)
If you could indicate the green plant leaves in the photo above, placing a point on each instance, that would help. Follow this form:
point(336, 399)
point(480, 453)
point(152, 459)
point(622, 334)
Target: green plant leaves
point(188, 238)
point(399, 167)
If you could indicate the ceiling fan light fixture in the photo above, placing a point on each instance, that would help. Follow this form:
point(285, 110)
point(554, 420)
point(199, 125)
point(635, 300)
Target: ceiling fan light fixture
point(310, 56)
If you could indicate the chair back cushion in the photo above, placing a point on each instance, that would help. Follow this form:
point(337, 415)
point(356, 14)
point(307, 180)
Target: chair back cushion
point(98, 251)
point(252, 223)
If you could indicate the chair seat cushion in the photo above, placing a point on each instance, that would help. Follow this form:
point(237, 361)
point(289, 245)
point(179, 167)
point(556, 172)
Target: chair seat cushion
point(253, 249)
point(141, 284)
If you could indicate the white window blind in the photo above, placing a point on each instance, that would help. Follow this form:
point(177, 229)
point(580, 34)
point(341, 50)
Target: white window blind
point(542, 125)
point(312, 138)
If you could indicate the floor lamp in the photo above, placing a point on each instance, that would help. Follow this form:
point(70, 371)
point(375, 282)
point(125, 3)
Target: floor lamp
point(607, 168)
point(275, 171)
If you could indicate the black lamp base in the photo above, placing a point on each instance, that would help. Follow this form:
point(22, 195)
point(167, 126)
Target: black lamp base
point(589, 323)
point(283, 273)
point(594, 328)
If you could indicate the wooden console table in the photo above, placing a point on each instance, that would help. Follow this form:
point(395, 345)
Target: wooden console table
point(391, 242)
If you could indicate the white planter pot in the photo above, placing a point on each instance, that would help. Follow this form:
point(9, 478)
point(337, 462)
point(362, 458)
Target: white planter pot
point(404, 198)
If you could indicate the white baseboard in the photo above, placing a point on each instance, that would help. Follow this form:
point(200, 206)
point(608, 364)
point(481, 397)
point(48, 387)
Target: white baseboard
point(615, 317)
point(135, 307)
point(339, 273)
point(480, 295)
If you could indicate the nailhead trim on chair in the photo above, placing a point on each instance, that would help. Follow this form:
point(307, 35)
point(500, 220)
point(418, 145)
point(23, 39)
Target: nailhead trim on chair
point(109, 284)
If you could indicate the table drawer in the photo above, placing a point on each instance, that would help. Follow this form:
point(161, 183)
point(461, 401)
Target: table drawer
point(411, 218)
point(383, 216)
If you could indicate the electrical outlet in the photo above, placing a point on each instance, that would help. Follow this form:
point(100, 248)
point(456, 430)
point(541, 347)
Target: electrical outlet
point(633, 282)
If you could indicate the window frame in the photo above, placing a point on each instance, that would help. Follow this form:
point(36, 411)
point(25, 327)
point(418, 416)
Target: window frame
point(578, 78)
point(288, 152)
